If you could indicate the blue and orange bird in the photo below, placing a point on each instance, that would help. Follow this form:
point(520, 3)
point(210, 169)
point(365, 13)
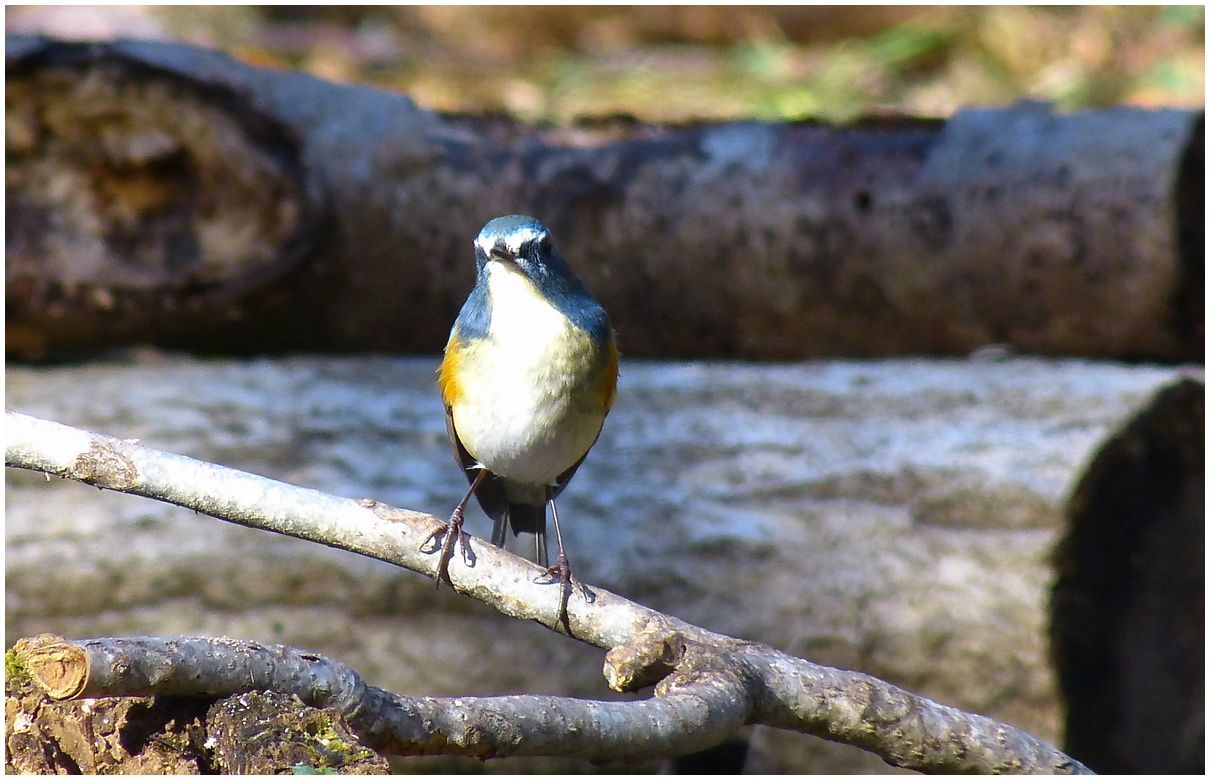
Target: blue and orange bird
point(528, 376)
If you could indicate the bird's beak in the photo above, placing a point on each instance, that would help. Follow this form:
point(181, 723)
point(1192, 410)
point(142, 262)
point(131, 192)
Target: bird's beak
point(498, 252)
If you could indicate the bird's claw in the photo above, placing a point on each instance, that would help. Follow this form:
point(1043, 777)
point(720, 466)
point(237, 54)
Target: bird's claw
point(451, 534)
point(561, 572)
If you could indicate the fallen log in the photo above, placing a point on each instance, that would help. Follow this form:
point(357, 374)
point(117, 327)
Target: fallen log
point(895, 517)
point(165, 194)
point(1128, 611)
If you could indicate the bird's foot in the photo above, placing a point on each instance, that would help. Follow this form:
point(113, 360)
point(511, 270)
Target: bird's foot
point(561, 573)
point(451, 534)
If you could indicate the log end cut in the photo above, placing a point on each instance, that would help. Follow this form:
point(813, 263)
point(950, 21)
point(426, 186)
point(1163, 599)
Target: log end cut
point(136, 199)
point(1128, 609)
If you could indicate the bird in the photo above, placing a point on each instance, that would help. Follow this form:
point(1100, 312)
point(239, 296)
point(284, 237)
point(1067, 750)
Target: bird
point(528, 376)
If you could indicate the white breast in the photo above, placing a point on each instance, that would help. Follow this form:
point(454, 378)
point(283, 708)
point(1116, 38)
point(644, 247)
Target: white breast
point(532, 408)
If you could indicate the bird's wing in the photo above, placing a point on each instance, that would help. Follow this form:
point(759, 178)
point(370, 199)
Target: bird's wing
point(460, 454)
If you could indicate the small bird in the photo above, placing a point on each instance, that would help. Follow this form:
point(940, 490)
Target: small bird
point(529, 374)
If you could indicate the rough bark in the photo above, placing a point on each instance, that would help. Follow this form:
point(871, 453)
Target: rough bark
point(134, 735)
point(1128, 610)
point(263, 733)
point(771, 503)
point(167, 194)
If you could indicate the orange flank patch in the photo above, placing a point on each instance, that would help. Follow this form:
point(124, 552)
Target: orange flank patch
point(609, 375)
point(447, 372)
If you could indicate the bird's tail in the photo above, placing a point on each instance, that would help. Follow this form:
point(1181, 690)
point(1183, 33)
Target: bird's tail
point(523, 518)
point(527, 519)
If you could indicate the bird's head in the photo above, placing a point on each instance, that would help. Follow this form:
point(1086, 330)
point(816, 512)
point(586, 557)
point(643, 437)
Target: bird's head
point(522, 243)
point(518, 262)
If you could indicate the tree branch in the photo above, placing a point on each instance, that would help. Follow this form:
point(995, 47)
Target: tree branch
point(693, 710)
point(716, 682)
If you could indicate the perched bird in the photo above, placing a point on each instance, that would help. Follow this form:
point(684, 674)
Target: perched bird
point(528, 376)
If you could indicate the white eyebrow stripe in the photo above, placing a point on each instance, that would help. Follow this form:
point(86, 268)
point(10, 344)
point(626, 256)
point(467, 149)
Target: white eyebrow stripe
point(512, 241)
point(518, 238)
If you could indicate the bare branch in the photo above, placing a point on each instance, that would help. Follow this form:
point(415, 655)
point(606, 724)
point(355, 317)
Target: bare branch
point(694, 710)
point(716, 682)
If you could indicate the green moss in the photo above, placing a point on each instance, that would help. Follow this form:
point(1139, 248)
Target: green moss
point(329, 749)
point(15, 672)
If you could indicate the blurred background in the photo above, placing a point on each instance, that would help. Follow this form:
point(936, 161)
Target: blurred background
point(669, 64)
point(897, 516)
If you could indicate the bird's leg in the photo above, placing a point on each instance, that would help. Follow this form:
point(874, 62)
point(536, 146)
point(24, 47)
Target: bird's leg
point(453, 533)
point(540, 556)
point(561, 571)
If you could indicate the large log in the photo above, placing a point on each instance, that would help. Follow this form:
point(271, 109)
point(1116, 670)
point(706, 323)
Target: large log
point(1129, 603)
point(892, 517)
point(167, 194)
